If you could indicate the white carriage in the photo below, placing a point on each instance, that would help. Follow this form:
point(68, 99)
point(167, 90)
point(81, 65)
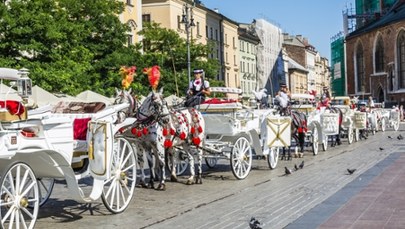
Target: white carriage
point(305, 103)
point(239, 133)
point(347, 126)
point(390, 118)
point(35, 150)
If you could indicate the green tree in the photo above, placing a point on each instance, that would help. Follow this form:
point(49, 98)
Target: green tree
point(61, 42)
point(165, 47)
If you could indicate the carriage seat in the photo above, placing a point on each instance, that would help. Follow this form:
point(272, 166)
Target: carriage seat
point(11, 110)
point(220, 105)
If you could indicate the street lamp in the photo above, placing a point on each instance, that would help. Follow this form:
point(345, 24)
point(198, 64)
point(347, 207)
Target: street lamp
point(188, 21)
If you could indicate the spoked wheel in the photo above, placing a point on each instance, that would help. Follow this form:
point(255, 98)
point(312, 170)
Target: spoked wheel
point(45, 186)
point(241, 158)
point(211, 162)
point(119, 188)
point(325, 142)
point(181, 161)
point(17, 182)
point(272, 156)
point(350, 135)
point(383, 124)
point(356, 135)
point(395, 124)
point(315, 141)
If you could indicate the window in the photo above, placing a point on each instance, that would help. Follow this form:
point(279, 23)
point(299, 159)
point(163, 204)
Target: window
point(379, 56)
point(198, 29)
point(233, 42)
point(130, 39)
point(146, 18)
point(359, 68)
point(206, 31)
point(178, 22)
point(401, 59)
point(216, 34)
point(211, 34)
point(129, 2)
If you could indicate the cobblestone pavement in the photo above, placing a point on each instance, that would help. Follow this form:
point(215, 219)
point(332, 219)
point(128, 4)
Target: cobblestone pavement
point(276, 200)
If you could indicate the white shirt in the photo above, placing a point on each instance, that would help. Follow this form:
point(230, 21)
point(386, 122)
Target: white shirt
point(196, 84)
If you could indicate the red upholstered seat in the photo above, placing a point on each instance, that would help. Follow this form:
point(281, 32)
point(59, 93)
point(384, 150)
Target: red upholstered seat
point(219, 101)
point(14, 107)
point(80, 128)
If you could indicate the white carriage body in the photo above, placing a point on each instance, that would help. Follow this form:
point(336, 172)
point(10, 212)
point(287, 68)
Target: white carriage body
point(330, 123)
point(360, 120)
point(278, 131)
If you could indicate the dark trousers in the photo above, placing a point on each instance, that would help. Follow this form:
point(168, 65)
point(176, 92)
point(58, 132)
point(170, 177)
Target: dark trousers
point(193, 101)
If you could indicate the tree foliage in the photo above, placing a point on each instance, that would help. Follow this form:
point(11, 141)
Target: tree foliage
point(70, 46)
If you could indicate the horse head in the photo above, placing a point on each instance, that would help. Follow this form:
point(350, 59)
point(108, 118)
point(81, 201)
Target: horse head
point(153, 107)
point(125, 96)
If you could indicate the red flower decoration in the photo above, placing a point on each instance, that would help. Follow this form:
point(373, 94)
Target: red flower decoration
point(172, 132)
point(197, 82)
point(200, 130)
point(167, 143)
point(192, 130)
point(133, 131)
point(182, 136)
point(165, 131)
point(145, 131)
point(196, 141)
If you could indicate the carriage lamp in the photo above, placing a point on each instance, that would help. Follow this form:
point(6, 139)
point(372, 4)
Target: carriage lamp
point(24, 84)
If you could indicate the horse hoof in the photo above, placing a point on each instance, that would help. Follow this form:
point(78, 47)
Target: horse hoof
point(190, 182)
point(301, 155)
point(161, 187)
point(173, 179)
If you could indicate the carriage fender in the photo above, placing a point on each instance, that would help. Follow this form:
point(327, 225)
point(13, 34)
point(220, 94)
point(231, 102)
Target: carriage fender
point(125, 123)
point(254, 140)
point(316, 125)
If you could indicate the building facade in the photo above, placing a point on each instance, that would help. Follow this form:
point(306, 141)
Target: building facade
point(132, 16)
point(248, 42)
point(376, 58)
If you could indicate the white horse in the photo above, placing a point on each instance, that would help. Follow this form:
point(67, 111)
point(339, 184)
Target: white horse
point(186, 130)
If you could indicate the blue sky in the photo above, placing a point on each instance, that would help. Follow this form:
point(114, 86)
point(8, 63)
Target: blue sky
point(318, 20)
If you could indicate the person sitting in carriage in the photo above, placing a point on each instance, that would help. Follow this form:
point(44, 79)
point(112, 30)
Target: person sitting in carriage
point(283, 99)
point(197, 89)
point(325, 98)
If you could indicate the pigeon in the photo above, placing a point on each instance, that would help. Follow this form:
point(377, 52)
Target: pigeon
point(381, 148)
point(351, 171)
point(296, 167)
point(254, 223)
point(302, 165)
point(400, 137)
point(287, 171)
point(389, 137)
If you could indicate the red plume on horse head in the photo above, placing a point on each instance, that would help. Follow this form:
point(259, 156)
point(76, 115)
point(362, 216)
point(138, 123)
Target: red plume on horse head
point(153, 76)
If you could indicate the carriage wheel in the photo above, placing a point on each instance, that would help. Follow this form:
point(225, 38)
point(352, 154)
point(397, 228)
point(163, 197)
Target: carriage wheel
point(325, 142)
point(45, 186)
point(17, 182)
point(181, 161)
point(350, 135)
point(211, 162)
point(395, 124)
point(119, 188)
point(241, 158)
point(315, 141)
point(383, 124)
point(272, 157)
point(356, 135)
